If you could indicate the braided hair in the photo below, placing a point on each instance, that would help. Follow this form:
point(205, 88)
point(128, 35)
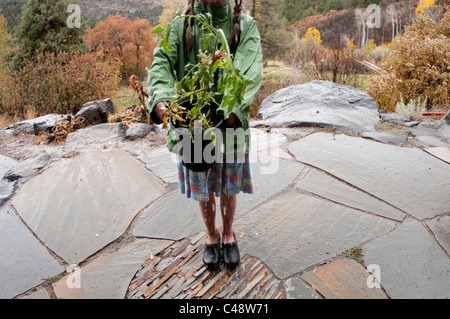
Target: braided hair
point(235, 32)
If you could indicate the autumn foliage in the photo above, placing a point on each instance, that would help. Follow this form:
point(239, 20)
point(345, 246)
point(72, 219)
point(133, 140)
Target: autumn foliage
point(56, 83)
point(417, 66)
point(128, 42)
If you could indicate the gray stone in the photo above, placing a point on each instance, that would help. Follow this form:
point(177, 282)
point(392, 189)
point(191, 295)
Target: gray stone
point(432, 133)
point(440, 226)
point(24, 262)
point(6, 191)
point(109, 275)
point(446, 117)
point(138, 130)
point(297, 289)
point(385, 137)
point(393, 118)
point(6, 163)
point(161, 162)
point(96, 137)
point(27, 169)
point(293, 231)
point(429, 141)
point(328, 187)
point(407, 178)
point(321, 104)
point(96, 112)
point(411, 262)
point(80, 205)
point(39, 124)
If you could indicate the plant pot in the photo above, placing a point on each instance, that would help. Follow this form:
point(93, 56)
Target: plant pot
point(196, 149)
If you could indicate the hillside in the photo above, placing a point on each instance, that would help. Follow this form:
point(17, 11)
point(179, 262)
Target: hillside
point(147, 9)
point(94, 10)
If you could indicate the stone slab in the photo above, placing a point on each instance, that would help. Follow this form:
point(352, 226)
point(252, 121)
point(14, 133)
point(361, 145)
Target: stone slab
point(411, 263)
point(161, 162)
point(295, 231)
point(175, 217)
point(24, 262)
point(109, 275)
point(82, 204)
point(343, 278)
point(440, 226)
point(385, 137)
point(296, 288)
point(404, 177)
point(442, 153)
point(321, 184)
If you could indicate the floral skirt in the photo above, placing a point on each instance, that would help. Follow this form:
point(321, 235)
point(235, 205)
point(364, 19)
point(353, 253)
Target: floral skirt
point(227, 178)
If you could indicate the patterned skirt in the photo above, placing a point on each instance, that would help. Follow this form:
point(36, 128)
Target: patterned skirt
point(227, 178)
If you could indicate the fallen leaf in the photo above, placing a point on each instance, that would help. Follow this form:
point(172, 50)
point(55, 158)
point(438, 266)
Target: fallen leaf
point(242, 235)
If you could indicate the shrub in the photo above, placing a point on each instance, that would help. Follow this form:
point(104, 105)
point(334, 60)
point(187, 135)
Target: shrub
point(413, 110)
point(56, 83)
point(417, 66)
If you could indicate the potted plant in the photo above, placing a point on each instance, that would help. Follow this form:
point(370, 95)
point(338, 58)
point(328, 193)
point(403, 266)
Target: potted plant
point(195, 115)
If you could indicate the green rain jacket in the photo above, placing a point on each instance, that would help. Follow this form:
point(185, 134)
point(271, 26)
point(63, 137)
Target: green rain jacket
point(170, 67)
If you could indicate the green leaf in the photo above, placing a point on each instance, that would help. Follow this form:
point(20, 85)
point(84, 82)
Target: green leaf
point(158, 30)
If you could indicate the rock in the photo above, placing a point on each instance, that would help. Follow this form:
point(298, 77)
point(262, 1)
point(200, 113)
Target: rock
point(432, 133)
point(6, 163)
point(321, 104)
point(28, 168)
point(92, 198)
point(101, 134)
point(138, 130)
point(394, 118)
point(96, 112)
point(6, 191)
point(385, 137)
point(39, 124)
point(446, 118)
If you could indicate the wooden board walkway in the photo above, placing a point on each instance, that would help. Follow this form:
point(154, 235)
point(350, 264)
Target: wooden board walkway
point(178, 273)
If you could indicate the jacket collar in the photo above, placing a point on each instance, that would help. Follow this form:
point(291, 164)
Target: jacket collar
point(219, 12)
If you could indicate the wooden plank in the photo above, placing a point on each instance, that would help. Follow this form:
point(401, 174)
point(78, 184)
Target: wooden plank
point(167, 276)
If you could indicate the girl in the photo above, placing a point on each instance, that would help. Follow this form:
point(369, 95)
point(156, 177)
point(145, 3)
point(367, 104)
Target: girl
point(225, 179)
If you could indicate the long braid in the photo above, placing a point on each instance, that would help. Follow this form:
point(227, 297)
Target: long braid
point(188, 38)
point(236, 30)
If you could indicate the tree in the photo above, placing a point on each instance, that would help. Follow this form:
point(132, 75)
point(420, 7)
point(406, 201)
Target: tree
point(43, 27)
point(140, 36)
point(270, 20)
point(312, 34)
point(130, 42)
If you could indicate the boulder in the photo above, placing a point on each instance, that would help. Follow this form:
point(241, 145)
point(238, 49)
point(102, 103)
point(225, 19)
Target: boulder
point(321, 104)
point(138, 130)
point(432, 133)
point(37, 125)
point(6, 191)
point(96, 112)
point(25, 170)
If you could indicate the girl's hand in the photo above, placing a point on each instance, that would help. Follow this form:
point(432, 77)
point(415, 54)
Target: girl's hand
point(161, 109)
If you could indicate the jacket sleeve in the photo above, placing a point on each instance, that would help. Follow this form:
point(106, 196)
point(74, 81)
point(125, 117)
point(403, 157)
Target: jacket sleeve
point(249, 59)
point(161, 75)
